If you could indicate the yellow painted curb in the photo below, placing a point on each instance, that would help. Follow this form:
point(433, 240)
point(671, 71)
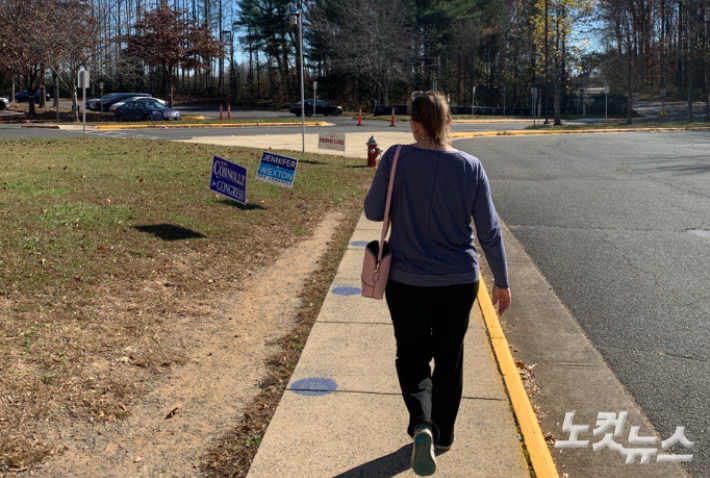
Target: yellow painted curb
point(198, 125)
point(490, 121)
point(540, 456)
point(533, 132)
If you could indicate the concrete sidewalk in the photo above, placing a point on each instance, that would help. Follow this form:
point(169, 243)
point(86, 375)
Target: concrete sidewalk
point(359, 428)
point(354, 144)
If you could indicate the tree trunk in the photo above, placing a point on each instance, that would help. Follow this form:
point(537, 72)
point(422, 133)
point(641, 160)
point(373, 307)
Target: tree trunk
point(691, 116)
point(558, 92)
point(629, 88)
point(558, 72)
point(74, 105)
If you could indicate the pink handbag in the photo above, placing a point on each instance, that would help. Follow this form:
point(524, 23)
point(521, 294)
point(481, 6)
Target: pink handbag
point(378, 256)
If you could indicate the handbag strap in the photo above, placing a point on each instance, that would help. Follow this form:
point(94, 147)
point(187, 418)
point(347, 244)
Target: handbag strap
point(386, 222)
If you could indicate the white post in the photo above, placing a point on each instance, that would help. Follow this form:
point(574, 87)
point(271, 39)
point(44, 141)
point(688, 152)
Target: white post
point(83, 81)
point(101, 89)
point(315, 98)
point(83, 110)
point(473, 102)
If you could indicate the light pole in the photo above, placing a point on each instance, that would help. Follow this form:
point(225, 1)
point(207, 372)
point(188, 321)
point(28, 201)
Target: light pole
point(296, 18)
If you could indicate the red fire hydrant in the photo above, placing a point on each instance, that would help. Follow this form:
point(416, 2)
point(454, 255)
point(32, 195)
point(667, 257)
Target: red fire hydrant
point(372, 152)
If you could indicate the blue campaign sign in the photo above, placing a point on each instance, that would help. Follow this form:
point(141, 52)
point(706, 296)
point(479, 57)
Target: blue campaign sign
point(229, 179)
point(277, 169)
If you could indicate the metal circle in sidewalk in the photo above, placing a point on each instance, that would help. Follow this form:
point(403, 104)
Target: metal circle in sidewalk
point(358, 243)
point(699, 232)
point(314, 386)
point(347, 290)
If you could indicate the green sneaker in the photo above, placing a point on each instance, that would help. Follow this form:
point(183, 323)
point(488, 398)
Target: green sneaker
point(423, 459)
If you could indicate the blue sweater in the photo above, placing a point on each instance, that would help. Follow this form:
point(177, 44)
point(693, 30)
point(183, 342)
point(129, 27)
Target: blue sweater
point(435, 194)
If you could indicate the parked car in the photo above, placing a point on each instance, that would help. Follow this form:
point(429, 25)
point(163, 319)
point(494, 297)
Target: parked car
point(322, 108)
point(105, 102)
point(146, 111)
point(115, 106)
point(24, 97)
point(4, 103)
point(94, 104)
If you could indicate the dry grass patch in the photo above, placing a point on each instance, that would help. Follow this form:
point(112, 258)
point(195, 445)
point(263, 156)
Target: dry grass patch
point(110, 252)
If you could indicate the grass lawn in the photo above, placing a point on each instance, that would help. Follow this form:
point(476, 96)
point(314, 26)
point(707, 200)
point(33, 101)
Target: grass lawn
point(106, 245)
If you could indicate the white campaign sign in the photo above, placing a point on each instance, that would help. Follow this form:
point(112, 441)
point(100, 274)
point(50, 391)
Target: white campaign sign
point(334, 141)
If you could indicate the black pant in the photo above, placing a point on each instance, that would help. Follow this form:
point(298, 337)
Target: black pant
point(431, 322)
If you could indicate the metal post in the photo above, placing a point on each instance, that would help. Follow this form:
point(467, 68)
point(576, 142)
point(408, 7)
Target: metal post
point(55, 77)
point(303, 93)
point(546, 88)
point(505, 88)
point(83, 110)
point(315, 87)
point(606, 103)
point(473, 102)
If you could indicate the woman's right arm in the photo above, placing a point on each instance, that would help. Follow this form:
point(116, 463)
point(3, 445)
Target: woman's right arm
point(377, 197)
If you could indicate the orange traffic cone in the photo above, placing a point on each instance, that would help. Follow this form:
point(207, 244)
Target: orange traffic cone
point(229, 111)
point(392, 123)
point(359, 117)
point(220, 112)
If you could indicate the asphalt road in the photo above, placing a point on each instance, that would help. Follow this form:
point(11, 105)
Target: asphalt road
point(620, 226)
point(341, 124)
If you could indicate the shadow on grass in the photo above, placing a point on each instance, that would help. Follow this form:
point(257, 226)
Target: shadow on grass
point(248, 207)
point(170, 232)
point(358, 166)
point(310, 161)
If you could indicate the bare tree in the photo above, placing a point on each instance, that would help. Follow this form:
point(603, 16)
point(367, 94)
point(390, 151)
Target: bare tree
point(370, 39)
point(168, 40)
point(75, 40)
point(26, 41)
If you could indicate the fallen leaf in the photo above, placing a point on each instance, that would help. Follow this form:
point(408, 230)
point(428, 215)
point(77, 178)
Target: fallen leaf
point(173, 412)
point(139, 458)
point(122, 407)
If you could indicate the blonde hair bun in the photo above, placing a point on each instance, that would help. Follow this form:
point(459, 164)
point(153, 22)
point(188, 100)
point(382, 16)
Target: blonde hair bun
point(431, 110)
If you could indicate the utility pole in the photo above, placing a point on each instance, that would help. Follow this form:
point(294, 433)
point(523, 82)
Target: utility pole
point(547, 56)
point(296, 18)
point(250, 77)
point(220, 84)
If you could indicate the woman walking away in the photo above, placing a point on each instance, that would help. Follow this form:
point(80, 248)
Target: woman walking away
point(434, 274)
